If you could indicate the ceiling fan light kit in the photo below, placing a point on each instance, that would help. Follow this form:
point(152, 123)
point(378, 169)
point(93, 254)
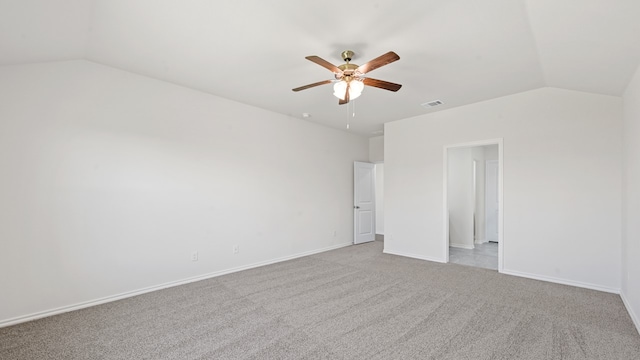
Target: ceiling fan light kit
point(350, 78)
point(353, 86)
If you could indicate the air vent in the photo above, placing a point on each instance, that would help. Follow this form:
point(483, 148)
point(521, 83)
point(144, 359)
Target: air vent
point(431, 104)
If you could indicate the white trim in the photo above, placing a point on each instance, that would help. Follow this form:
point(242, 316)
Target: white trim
point(476, 143)
point(562, 281)
point(632, 314)
point(445, 207)
point(462, 246)
point(128, 294)
point(414, 256)
point(501, 204)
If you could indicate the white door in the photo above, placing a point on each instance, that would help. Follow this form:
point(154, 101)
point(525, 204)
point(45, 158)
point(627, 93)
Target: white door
point(364, 204)
point(491, 200)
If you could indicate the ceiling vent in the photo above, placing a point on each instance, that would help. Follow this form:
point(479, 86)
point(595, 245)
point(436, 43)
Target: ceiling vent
point(431, 104)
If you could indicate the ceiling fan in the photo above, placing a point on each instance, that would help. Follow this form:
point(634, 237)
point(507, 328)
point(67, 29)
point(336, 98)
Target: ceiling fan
point(350, 78)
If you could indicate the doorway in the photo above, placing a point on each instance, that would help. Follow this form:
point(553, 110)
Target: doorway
point(368, 200)
point(364, 206)
point(473, 203)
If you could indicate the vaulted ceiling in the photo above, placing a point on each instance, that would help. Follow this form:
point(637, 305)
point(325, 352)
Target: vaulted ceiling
point(252, 51)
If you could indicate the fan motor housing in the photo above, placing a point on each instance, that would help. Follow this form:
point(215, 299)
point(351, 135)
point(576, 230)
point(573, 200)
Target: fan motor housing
point(347, 68)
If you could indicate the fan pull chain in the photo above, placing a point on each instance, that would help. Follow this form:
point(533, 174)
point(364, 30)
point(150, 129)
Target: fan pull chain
point(352, 112)
point(347, 116)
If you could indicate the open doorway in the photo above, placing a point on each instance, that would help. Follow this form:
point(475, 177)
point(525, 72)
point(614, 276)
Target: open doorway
point(473, 193)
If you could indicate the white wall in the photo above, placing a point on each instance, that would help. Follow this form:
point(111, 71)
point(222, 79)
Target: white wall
point(460, 197)
point(631, 199)
point(110, 180)
point(562, 176)
point(376, 149)
point(380, 198)
point(376, 155)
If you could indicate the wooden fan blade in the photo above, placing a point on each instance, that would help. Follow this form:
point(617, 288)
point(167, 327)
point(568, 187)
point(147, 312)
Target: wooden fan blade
point(312, 85)
point(346, 96)
point(324, 63)
point(382, 60)
point(382, 84)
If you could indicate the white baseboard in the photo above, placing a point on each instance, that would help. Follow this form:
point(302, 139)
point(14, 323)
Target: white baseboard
point(420, 257)
point(562, 281)
point(634, 317)
point(128, 294)
point(462, 246)
point(481, 241)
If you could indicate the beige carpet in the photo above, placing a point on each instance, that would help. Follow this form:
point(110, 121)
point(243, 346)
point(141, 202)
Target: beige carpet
point(351, 303)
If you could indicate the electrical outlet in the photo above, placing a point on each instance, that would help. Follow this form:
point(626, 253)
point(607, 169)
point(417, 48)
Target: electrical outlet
point(236, 249)
point(194, 256)
point(335, 233)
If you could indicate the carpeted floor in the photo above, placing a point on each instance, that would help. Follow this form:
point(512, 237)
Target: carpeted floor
point(351, 303)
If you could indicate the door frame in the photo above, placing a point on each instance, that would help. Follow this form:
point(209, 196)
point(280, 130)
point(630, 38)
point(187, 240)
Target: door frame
point(445, 206)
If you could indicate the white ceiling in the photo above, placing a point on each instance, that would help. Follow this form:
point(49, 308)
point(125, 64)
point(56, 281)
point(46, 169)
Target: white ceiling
point(252, 51)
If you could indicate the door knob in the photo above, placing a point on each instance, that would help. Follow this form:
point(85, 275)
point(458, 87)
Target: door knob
point(356, 207)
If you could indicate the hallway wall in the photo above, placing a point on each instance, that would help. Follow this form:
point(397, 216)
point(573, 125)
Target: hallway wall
point(562, 176)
